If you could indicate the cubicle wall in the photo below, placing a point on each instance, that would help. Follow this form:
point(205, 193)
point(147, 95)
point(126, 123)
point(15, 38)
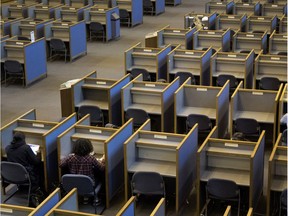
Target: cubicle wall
point(283, 24)
point(14, 210)
point(234, 22)
point(282, 106)
point(277, 43)
point(128, 209)
point(6, 25)
point(261, 23)
point(14, 11)
point(219, 7)
point(135, 9)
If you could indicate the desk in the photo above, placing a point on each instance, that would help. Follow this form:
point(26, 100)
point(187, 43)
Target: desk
point(277, 175)
point(189, 18)
point(104, 93)
point(239, 161)
point(282, 110)
point(44, 12)
point(135, 9)
point(78, 3)
point(7, 209)
point(39, 132)
point(194, 61)
point(106, 141)
point(251, 8)
point(105, 3)
point(206, 100)
point(6, 25)
point(159, 6)
point(155, 98)
point(14, 11)
point(73, 33)
point(234, 22)
point(283, 24)
point(219, 7)
point(216, 38)
point(261, 23)
point(27, 53)
point(260, 105)
point(247, 41)
point(239, 65)
point(272, 9)
point(70, 13)
point(171, 155)
point(104, 16)
point(173, 2)
point(277, 43)
point(154, 60)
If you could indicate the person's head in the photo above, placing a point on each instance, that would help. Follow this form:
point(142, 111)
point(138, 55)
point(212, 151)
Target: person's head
point(82, 147)
point(18, 137)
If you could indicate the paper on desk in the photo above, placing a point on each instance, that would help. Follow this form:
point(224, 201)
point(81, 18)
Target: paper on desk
point(34, 147)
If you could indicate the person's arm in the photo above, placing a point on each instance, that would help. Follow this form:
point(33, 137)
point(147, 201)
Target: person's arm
point(99, 165)
point(64, 162)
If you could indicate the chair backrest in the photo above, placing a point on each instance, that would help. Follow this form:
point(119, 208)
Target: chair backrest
point(269, 83)
point(222, 188)
point(139, 116)
point(57, 44)
point(247, 126)
point(83, 183)
point(14, 173)
point(204, 122)
point(136, 71)
point(96, 114)
point(96, 27)
point(222, 79)
point(284, 138)
point(123, 13)
point(148, 183)
point(184, 76)
point(147, 3)
point(13, 66)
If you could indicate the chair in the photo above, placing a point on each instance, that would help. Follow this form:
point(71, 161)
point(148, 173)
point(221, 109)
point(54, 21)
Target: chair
point(222, 190)
point(148, 7)
point(139, 116)
point(13, 68)
point(204, 122)
point(96, 114)
point(282, 53)
point(284, 138)
point(23, 38)
point(15, 173)
point(222, 79)
point(249, 127)
point(58, 47)
point(147, 183)
point(183, 76)
point(97, 29)
point(269, 83)
point(84, 184)
point(283, 202)
point(136, 71)
point(124, 17)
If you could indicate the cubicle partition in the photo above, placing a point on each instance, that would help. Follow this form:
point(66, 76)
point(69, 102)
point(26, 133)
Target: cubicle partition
point(153, 97)
point(261, 24)
point(272, 9)
point(239, 161)
point(13, 210)
point(6, 25)
point(282, 106)
point(105, 141)
point(239, 65)
point(251, 8)
point(206, 100)
point(283, 24)
point(129, 208)
point(234, 22)
point(190, 18)
point(70, 13)
point(196, 62)
point(41, 133)
point(44, 12)
point(135, 9)
point(14, 11)
point(154, 60)
point(171, 155)
point(219, 7)
point(278, 43)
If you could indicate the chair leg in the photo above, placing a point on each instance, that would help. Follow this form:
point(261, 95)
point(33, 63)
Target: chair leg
point(29, 193)
point(5, 79)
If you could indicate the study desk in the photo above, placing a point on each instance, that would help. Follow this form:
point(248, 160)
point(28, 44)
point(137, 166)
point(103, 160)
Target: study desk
point(239, 161)
point(206, 100)
point(277, 43)
point(159, 6)
point(196, 62)
point(234, 22)
point(282, 110)
point(173, 2)
point(277, 175)
point(245, 42)
point(43, 133)
point(154, 60)
point(27, 53)
point(189, 19)
point(251, 8)
point(219, 7)
point(272, 9)
point(261, 24)
point(6, 25)
point(78, 3)
point(72, 33)
point(104, 93)
point(70, 13)
point(105, 3)
point(8, 209)
point(171, 155)
point(107, 141)
point(44, 12)
point(153, 97)
point(14, 11)
point(203, 39)
point(106, 17)
point(260, 105)
point(283, 24)
point(239, 65)
point(134, 8)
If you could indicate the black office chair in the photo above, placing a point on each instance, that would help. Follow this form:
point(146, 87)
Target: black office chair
point(136, 71)
point(147, 183)
point(84, 184)
point(222, 79)
point(249, 127)
point(15, 173)
point(124, 17)
point(148, 7)
point(283, 203)
point(96, 114)
point(282, 53)
point(13, 68)
point(269, 83)
point(222, 190)
point(139, 117)
point(58, 47)
point(96, 30)
point(23, 38)
point(284, 138)
point(204, 123)
point(183, 76)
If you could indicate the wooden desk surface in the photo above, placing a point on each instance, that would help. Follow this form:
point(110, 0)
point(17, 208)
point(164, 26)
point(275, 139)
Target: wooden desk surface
point(103, 105)
point(232, 151)
point(262, 117)
point(279, 183)
point(149, 108)
point(36, 130)
point(65, 39)
point(185, 111)
point(92, 136)
point(158, 142)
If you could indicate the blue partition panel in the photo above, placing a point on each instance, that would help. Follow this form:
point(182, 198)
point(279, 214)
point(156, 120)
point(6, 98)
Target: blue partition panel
point(77, 93)
point(3, 51)
point(5, 10)
point(66, 146)
point(15, 30)
point(7, 135)
point(160, 209)
point(47, 30)
point(162, 63)
point(78, 42)
point(223, 111)
point(137, 12)
point(159, 6)
point(71, 203)
point(30, 115)
point(129, 211)
point(205, 76)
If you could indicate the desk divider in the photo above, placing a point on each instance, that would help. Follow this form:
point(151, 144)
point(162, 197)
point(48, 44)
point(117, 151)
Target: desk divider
point(78, 43)
point(14, 27)
point(282, 110)
point(227, 211)
point(128, 209)
point(69, 202)
point(7, 209)
point(222, 110)
point(159, 209)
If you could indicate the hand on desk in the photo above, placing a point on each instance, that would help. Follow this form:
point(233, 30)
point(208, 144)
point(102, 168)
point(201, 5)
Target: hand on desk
point(102, 159)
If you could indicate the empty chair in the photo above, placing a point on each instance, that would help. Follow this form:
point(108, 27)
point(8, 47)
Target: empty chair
point(147, 183)
point(13, 68)
point(249, 127)
point(148, 7)
point(96, 114)
point(58, 47)
point(222, 79)
point(139, 116)
point(269, 83)
point(23, 38)
point(15, 173)
point(284, 138)
point(96, 30)
point(136, 71)
point(283, 203)
point(184, 76)
point(84, 184)
point(222, 190)
point(124, 17)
